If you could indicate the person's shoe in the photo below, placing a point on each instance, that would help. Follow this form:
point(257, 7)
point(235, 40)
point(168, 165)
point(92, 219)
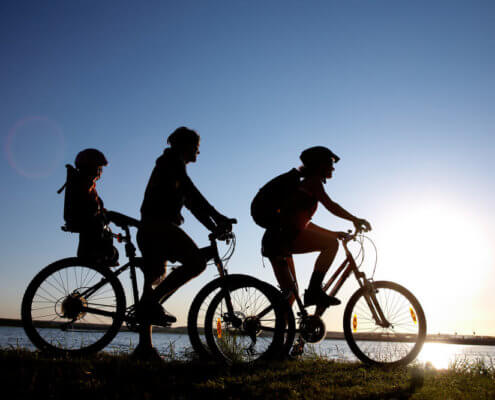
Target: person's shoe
point(155, 314)
point(319, 298)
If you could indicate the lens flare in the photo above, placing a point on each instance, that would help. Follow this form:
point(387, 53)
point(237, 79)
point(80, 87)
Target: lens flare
point(35, 147)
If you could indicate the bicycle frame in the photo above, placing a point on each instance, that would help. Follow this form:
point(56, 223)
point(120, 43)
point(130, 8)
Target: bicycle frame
point(130, 250)
point(209, 252)
point(347, 267)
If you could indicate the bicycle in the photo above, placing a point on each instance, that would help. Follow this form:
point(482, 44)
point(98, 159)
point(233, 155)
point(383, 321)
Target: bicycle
point(384, 324)
point(75, 307)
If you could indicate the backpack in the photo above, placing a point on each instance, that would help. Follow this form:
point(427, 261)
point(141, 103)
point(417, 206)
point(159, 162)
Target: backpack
point(71, 224)
point(270, 200)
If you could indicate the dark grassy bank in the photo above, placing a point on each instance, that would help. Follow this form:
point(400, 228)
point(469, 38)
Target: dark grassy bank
point(33, 375)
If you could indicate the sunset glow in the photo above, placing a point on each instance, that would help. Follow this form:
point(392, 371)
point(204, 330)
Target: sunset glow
point(442, 252)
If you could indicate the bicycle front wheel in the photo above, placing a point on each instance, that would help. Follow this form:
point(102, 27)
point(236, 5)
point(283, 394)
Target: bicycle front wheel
point(250, 331)
point(198, 309)
point(72, 308)
point(395, 340)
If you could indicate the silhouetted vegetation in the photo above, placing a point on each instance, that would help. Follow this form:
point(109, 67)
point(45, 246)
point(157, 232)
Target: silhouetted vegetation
point(28, 374)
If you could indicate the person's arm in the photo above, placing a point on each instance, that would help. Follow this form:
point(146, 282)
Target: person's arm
point(200, 207)
point(336, 209)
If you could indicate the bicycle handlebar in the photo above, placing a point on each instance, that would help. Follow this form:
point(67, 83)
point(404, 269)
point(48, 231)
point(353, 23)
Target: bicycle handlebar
point(122, 220)
point(351, 235)
point(223, 232)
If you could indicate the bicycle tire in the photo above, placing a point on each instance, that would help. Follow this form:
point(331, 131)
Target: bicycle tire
point(401, 342)
point(249, 339)
point(53, 298)
point(197, 313)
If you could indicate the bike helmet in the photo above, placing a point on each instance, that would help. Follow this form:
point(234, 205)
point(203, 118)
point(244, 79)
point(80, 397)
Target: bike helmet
point(90, 158)
point(318, 155)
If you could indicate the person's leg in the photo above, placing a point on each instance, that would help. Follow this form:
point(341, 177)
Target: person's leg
point(152, 263)
point(284, 270)
point(179, 246)
point(150, 243)
point(319, 239)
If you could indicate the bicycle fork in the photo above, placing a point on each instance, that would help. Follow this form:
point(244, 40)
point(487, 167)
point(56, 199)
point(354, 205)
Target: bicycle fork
point(372, 301)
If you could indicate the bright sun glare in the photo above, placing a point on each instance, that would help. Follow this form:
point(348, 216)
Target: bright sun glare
point(442, 253)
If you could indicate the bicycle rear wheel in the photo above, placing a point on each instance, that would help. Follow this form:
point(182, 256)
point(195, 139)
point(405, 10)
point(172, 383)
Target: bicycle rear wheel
point(254, 331)
point(395, 343)
point(72, 308)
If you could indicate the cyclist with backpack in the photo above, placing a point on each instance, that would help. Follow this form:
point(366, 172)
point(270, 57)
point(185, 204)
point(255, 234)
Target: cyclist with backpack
point(285, 206)
point(84, 212)
point(160, 237)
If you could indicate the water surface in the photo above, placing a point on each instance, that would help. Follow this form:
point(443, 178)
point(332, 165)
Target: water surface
point(439, 355)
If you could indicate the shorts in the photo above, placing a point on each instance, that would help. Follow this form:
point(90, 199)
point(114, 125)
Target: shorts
point(166, 241)
point(277, 242)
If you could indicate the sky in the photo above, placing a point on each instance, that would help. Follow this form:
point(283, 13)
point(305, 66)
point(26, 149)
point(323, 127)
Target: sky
point(402, 91)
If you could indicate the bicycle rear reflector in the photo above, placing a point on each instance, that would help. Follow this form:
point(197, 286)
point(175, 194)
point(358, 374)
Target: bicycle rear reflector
point(413, 315)
point(354, 323)
point(219, 328)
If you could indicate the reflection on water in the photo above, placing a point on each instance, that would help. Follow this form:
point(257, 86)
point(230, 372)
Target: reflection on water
point(441, 355)
point(438, 355)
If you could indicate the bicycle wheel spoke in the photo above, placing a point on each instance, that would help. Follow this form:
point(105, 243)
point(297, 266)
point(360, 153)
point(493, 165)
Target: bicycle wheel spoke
point(402, 333)
point(42, 308)
point(60, 284)
point(47, 315)
point(247, 336)
point(61, 287)
point(45, 298)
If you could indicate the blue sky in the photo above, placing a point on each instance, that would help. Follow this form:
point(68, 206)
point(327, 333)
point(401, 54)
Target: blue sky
point(402, 91)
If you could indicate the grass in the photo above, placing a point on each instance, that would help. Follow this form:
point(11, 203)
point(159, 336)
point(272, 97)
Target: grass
point(29, 374)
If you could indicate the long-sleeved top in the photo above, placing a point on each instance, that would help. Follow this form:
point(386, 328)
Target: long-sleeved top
point(169, 189)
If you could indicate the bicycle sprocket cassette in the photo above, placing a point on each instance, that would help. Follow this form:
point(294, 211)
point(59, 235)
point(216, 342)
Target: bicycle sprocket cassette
point(313, 329)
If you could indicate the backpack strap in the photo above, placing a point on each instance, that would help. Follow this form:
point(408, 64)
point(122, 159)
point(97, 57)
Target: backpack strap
point(70, 173)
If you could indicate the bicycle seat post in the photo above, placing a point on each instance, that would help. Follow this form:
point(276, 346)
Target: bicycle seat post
point(302, 310)
point(130, 249)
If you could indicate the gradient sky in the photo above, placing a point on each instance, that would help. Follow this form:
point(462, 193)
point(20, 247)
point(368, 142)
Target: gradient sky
point(402, 91)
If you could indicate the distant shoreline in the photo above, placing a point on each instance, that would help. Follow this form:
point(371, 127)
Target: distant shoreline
point(439, 338)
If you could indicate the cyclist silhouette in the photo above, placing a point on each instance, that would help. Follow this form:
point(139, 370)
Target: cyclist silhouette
point(160, 238)
point(285, 206)
point(84, 211)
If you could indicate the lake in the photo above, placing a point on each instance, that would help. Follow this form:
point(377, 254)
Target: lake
point(439, 355)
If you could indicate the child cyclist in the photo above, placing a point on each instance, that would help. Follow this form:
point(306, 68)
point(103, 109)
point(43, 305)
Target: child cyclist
point(285, 206)
point(83, 209)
